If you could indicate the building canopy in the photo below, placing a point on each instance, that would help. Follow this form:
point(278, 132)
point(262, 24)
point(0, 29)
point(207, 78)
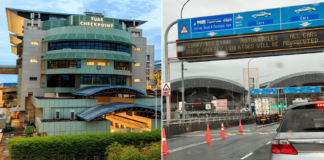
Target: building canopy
point(95, 90)
point(96, 111)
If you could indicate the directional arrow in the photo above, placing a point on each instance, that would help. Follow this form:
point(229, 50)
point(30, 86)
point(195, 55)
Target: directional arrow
point(257, 29)
point(305, 24)
point(212, 33)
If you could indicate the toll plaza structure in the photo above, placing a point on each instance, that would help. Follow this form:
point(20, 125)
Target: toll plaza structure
point(71, 63)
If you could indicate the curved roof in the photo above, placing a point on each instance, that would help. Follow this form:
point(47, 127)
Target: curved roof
point(210, 82)
point(90, 90)
point(297, 79)
point(96, 111)
point(88, 37)
point(112, 55)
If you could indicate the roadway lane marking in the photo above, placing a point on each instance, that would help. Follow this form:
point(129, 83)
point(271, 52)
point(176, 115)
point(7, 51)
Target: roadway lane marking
point(189, 146)
point(263, 133)
point(247, 156)
point(269, 142)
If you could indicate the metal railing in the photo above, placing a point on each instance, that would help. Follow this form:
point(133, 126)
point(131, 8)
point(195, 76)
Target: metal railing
point(202, 120)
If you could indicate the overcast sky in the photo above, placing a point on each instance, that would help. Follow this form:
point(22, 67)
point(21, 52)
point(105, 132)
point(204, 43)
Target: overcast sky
point(274, 67)
point(148, 10)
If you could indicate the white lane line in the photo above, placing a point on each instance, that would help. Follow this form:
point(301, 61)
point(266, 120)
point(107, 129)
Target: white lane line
point(269, 142)
point(189, 146)
point(247, 156)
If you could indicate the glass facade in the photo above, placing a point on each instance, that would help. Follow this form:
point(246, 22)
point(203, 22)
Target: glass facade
point(122, 65)
point(60, 80)
point(95, 79)
point(64, 64)
point(121, 80)
point(88, 45)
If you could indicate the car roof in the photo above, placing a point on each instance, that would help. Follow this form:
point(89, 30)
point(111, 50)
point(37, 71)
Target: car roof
point(303, 104)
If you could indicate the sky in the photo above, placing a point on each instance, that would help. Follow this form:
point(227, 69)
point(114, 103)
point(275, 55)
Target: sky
point(148, 10)
point(270, 68)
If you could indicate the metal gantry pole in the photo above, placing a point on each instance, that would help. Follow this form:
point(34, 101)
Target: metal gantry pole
point(249, 93)
point(165, 69)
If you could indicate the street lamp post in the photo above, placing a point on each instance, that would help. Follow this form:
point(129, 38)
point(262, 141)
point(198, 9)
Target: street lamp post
point(249, 93)
point(153, 84)
point(182, 9)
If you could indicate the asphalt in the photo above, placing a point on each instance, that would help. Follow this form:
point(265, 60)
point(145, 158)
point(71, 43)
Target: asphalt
point(253, 144)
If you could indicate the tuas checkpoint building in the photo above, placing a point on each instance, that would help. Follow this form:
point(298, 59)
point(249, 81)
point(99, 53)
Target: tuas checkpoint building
point(82, 73)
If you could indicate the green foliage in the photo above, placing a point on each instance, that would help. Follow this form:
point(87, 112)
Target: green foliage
point(76, 146)
point(7, 98)
point(141, 152)
point(247, 113)
point(29, 129)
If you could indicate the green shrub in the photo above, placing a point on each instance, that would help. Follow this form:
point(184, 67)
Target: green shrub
point(29, 129)
point(75, 146)
point(151, 151)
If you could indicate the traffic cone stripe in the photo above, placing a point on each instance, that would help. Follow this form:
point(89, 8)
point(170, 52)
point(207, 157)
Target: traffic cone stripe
point(163, 139)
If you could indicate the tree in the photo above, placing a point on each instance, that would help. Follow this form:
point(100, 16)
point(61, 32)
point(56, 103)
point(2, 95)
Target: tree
point(7, 98)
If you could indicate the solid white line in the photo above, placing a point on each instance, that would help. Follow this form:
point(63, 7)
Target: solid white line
point(269, 142)
point(189, 146)
point(247, 156)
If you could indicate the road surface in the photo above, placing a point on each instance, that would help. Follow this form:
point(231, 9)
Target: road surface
point(253, 144)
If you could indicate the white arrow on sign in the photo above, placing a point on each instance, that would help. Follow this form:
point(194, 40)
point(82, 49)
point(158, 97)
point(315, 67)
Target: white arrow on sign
point(305, 24)
point(212, 33)
point(257, 29)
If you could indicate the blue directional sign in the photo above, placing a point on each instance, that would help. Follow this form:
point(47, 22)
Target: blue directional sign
point(302, 90)
point(264, 91)
point(310, 15)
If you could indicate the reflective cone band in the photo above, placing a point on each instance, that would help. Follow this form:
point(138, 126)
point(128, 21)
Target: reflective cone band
point(208, 138)
point(164, 144)
point(222, 132)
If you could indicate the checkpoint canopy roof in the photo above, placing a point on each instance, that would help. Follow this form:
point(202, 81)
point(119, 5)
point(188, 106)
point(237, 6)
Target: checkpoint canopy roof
point(96, 111)
point(296, 79)
point(209, 82)
point(95, 90)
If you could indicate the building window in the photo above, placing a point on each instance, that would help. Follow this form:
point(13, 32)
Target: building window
point(137, 64)
point(33, 78)
point(101, 63)
point(147, 57)
point(135, 34)
point(137, 49)
point(121, 80)
point(64, 64)
point(147, 72)
point(34, 43)
point(90, 63)
point(60, 80)
point(251, 80)
point(95, 79)
point(137, 80)
point(251, 86)
point(147, 64)
point(33, 60)
point(57, 114)
point(88, 45)
point(72, 115)
point(122, 65)
point(147, 77)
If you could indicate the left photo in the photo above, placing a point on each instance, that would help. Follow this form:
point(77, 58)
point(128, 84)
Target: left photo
point(80, 80)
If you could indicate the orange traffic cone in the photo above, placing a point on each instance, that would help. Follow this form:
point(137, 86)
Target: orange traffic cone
point(164, 143)
point(222, 132)
point(208, 138)
point(240, 127)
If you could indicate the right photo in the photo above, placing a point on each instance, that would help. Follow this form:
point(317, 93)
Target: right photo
point(242, 79)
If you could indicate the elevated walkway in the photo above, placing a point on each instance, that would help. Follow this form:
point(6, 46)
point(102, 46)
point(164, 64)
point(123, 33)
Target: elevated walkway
point(126, 122)
point(9, 69)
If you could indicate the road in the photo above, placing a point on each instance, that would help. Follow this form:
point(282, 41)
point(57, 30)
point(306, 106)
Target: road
point(253, 144)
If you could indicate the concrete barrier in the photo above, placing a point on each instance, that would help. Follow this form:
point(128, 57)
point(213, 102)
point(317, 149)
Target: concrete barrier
point(185, 128)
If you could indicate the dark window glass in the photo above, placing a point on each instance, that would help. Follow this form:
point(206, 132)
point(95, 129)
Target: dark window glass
point(121, 80)
point(309, 119)
point(121, 65)
point(60, 80)
point(64, 64)
point(33, 78)
point(95, 79)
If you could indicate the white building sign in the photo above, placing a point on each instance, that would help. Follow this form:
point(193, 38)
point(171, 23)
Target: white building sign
point(96, 22)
